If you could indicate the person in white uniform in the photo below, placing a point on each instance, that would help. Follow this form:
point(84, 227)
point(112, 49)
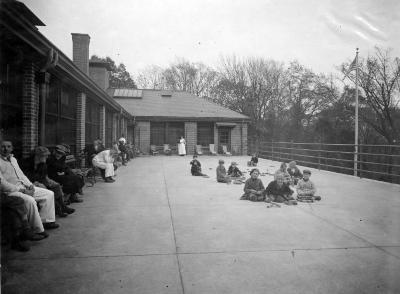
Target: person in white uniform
point(182, 146)
point(105, 161)
point(19, 185)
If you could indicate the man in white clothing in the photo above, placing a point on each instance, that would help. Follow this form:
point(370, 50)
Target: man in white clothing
point(105, 161)
point(19, 185)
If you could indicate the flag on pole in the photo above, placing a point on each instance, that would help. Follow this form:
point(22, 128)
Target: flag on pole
point(352, 66)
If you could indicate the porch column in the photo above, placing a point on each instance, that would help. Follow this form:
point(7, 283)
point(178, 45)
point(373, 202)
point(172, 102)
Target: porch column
point(43, 80)
point(80, 121)
point(30, 110)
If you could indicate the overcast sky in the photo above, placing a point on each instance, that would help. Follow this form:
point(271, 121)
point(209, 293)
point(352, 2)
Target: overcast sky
point(321, 34)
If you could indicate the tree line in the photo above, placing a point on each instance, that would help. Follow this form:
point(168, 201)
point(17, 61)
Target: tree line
point(290, 102)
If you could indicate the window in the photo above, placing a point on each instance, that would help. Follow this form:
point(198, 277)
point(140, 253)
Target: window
point(60, 119)
point(224, 137)
point(205, 133)
point(157, 133)
point(92, 123)
point(174, 132)
point(11, 102)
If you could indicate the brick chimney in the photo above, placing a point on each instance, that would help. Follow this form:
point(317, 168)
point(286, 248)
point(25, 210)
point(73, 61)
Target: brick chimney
point(99, 71)
point(80, 51)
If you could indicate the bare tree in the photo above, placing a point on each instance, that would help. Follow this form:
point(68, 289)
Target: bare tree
point(379, 77)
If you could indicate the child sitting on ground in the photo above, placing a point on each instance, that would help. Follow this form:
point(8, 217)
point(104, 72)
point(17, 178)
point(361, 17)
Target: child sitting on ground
point(294, 172)
point(222, 177)
point(196, 167)
point(278, 191)
point(306, 189)
point(253, 188)
point(253, 161)
point(233, 171)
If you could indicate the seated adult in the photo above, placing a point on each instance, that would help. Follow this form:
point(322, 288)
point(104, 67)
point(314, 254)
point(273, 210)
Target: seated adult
point(14, 220)
point(19, 185)
point(37, 173)
point(278, 191)
point(294, 172)
point(58, 171)
point(105, 162)
point(253, 187)
point(92, 150)
point(123, 149)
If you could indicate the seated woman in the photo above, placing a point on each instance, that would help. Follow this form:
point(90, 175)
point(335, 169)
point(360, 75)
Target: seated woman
point(92, 150)
point(37, 173)
point(294, 172)
point(253, 188)
point(105, 162)
point(306, 189)
point(278, 191)
point(58, 171)
point(233, 171)
point(253, 161)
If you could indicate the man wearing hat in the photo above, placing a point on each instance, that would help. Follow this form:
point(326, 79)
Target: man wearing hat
point(37, 173)
point(61, 173)
point(22, 187)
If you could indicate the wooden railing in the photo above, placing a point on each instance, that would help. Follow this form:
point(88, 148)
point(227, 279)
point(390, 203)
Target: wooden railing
point(379, 162)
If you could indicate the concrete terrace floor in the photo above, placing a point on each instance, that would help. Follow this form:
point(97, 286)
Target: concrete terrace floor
point(157, 229)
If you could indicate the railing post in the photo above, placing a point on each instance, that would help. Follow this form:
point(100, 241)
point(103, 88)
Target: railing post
point(360, 166)
point(355, 158)
point(319, 155)
point(272, 150)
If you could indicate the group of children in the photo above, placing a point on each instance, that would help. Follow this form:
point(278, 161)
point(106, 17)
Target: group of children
point(288, 187)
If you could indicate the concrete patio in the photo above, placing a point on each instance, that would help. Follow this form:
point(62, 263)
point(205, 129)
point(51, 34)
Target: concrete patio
point(157, 229)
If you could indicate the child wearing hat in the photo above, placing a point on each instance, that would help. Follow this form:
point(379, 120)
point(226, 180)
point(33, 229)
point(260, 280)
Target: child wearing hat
point(306, 188)
point(233, 170)
point(222, 177)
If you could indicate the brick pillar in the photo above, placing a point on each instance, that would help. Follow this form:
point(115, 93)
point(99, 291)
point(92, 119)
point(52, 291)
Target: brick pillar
point(244, 138)
point(80, 121)
point(43, 78)
point(143, 134)
point(30, 110)
point(115, 127)
point(190, 137)
point(216, 138)
point(236, 139)
point(103, 123)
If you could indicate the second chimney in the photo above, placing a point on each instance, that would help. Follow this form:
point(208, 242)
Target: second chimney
point(80, 51)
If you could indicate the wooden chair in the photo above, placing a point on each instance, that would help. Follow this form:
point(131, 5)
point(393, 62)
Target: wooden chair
point(167, 150)
point(199, 150)
point(212, 149)
point(225, 150)
point(153, 150)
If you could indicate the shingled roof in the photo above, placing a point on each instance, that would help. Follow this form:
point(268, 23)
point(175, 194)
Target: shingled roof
point(165, 104)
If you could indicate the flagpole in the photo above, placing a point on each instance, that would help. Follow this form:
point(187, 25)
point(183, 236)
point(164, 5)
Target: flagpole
point(356, 121)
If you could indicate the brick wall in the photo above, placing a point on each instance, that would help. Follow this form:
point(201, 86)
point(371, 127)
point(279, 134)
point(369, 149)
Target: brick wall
point(143, 136)
point(215, 138)
point(236, 140)
point(30, 110)
point(80, 121)
point(239, 139)
point(244, 139)
point(80, 51)
point(190, 137)
point(100, 76)
point(103, 123)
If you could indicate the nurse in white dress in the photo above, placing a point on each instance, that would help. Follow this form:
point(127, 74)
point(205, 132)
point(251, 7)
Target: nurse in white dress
point(182, 146)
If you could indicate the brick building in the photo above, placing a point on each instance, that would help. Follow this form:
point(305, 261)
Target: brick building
point(162, 116)
point(47, 98)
